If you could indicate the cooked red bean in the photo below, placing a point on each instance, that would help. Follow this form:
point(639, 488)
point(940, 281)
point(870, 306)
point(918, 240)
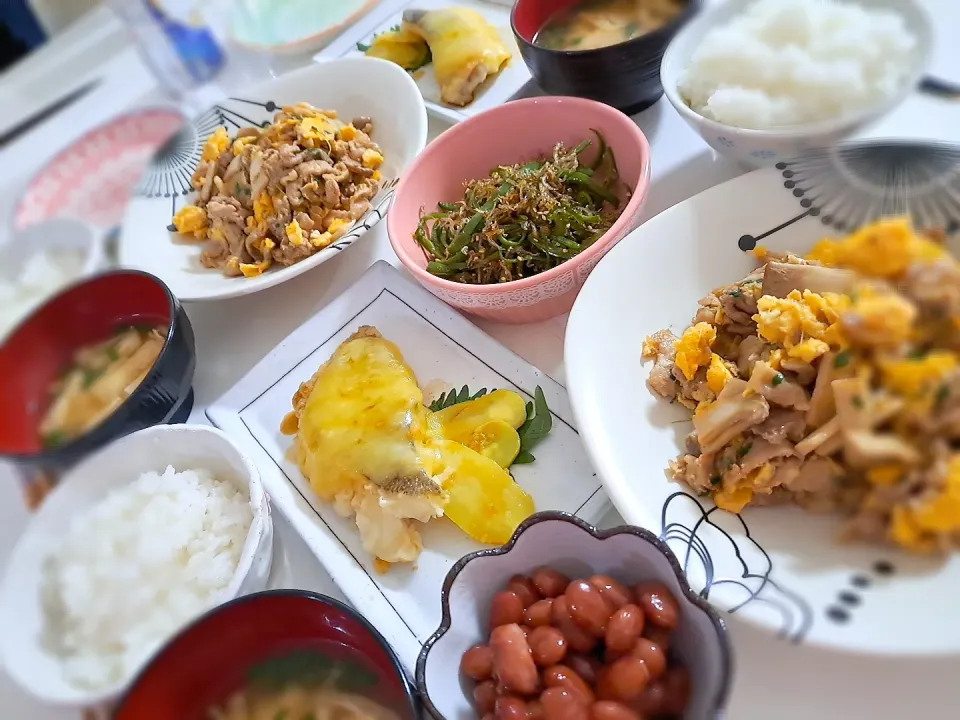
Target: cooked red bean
point(539, 613)
point(658, 603)
point(586, 666)
point(548, 645)
point(510, 707)
point(627, 678)
point(477, 662)
point(535, 711)
point(651, 702)
point(578, 639)
point(484, 696)
point(624, 628)
point(562, 704)
point(506, 608)
point(609, 710)
point(614, 592)
point(563, 676)
point(512, 660)
point(587, 607)
point(550, 583)
point(652, 655)
point(676, 690)
point(657, 635)
point(524, 588)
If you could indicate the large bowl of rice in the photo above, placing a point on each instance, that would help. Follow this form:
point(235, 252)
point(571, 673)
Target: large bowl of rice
point(764, 81)
point(135, 543)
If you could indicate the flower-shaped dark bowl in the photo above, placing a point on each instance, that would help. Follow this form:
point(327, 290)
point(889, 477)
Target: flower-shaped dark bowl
point(563, 542)
point(625, 75)
point(215, 656)
point(35, 354)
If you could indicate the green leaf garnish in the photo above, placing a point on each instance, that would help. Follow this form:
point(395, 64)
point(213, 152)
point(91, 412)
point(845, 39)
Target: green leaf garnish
point(536, 427)
point(54, 439)
point(455, 398)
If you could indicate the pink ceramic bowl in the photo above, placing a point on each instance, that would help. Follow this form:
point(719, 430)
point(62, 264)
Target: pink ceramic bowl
point(516, 132)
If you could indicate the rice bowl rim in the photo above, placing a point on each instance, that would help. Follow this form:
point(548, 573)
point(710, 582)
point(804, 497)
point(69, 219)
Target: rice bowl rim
point(915, 18)
point(12, 584)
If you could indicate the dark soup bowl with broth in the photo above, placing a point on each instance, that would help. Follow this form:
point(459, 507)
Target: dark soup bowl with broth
point(605, 50)
point(103, 358)
point(288, 654)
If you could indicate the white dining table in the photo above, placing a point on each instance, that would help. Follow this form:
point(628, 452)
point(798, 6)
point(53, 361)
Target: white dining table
point(774, 680)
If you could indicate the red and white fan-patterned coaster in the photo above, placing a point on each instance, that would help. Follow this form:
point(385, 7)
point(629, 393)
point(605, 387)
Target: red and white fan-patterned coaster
point(93, 179)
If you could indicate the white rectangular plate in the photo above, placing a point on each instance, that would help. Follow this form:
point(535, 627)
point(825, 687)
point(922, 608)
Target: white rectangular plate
point(438, 344)
point(497, 91)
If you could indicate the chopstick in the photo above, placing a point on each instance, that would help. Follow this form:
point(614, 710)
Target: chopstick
point(936, 87)
point(53, 108)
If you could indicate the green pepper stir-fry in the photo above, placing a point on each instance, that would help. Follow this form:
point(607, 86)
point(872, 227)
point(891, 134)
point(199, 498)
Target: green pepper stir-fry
point(525, 219)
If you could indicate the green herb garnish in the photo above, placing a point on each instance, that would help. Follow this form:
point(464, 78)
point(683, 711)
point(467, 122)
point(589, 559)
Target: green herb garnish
point(90, 377)
point(943, 392)
point(455, 398)
point(735, 293)
point(535, 428)
point(112, 353)
point(777, 379)
point(744, 449)
point(857, 401)
point(54, 439)
point(842, 359)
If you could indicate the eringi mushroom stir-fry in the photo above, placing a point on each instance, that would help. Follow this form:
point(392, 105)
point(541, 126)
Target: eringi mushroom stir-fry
point(525, 219)
point(281, 193)
point(832, 382)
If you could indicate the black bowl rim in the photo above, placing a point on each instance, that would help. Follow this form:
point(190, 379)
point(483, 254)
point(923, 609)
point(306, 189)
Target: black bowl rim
point(726, 654)
point(408, 687)
point(100, 433)
point(664, 32)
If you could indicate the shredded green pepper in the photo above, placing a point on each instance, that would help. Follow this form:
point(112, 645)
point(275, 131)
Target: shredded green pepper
point(525, 219)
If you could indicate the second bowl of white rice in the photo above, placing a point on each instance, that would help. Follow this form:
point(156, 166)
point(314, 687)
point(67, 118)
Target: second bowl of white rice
point(764, 81)
point(132, 545)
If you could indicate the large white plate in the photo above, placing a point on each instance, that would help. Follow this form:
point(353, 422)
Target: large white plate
point(438, 344)
point(353, 87)
point(780, 568)
point(505, 86)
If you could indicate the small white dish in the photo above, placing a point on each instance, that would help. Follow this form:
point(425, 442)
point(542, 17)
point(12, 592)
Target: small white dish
point(22, 620)
point(353, 87)
point(755, 148)
point(780, 568)
point(389, 14)
point(439, 345)
point(282, 27)
point(578, 550)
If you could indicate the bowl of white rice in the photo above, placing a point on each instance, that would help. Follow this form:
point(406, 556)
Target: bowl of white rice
point(764, 81)
point(134, 543)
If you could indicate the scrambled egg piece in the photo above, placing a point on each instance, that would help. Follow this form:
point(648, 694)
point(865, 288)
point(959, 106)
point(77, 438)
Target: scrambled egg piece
point(240, 143)
point(796, 319)
point(347, 133)
point(717, 374)
point(191, 219)
point(884, 249)
point(693, 348)
point(295, 233)
point(916, 377)
point(884, 475)
point(880, 317)
point(315, 131)
point(911, 524)
point(733, 500)
point(371, 159)
point(215, 144)
point(262, 210)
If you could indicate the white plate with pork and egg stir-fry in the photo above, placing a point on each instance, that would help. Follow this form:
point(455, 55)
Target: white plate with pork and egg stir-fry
point(780, 400)
point(269, 184)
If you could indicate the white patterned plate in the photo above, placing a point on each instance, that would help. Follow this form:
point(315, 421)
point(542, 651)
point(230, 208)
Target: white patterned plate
point(780, 568)
point(353, 87)
point(505, 86)
point(438, 344)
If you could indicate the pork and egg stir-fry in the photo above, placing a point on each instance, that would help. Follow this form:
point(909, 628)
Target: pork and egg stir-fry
point(832, 382)
point(281, 193)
